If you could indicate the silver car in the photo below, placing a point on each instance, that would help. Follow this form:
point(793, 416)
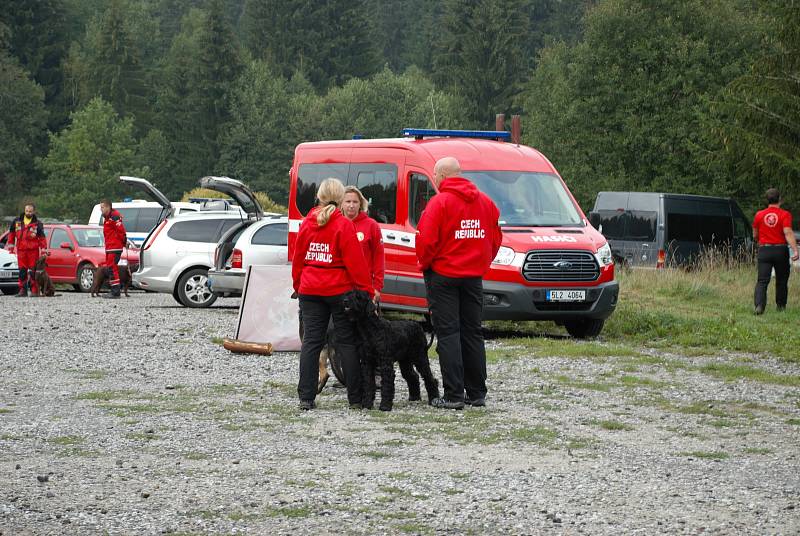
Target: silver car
point(177, 254)
point(9, 273)
point(249, 243)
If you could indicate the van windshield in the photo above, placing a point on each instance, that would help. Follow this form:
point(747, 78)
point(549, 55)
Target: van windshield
point(527, 198)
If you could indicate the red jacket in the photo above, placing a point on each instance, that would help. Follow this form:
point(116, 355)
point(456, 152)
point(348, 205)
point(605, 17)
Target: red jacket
point(458, 234)
point(29, 237)
point(328, 260)
point(369, 234)
point(114, 232)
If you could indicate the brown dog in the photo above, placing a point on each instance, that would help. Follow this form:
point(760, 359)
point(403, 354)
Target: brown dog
point(43, 280)
point(102, 274)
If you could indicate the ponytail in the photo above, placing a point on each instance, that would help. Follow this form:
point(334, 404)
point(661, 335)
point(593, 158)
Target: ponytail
point(330, 194)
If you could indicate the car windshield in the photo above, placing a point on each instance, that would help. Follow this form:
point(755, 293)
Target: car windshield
point(527, 198)
point(89, 238)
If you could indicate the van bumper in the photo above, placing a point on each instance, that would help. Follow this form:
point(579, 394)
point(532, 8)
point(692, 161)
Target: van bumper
point(508, 301)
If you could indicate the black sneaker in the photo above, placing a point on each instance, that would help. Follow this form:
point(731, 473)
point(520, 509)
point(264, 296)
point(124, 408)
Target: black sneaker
point(759, 310)
point(306, 405)
point(475, 402)
point(443, 403)
point(111, 296)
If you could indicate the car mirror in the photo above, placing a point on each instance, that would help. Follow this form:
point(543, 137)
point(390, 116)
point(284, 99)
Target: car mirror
point(66, 245)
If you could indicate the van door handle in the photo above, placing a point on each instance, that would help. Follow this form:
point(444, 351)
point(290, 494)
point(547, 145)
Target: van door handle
point(405, 239)
point(391, 237)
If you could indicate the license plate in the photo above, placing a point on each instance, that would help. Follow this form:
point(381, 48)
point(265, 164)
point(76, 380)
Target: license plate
point(566, 295)
point(123, 262)
point(5, 274)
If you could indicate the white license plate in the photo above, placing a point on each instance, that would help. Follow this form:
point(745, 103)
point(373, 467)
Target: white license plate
point(566, 295)
point(5, 274)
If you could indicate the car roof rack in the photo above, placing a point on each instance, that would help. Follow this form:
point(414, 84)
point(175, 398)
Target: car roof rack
point(420, 133)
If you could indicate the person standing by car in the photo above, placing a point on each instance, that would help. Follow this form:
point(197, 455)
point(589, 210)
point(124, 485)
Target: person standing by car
point(115, 240)
point(772, 231)
point(458, 236)
point(327, 263)
point(368, 232)
point(27, 239)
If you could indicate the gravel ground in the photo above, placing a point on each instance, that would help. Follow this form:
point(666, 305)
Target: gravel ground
point(129, 417)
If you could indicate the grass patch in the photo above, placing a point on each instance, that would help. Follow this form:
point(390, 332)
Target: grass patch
point(758, 450)
point(6, 411)
point(141, 436)
point(375, 454)
point(612, 425)
point(413, 528)
point(105, 395)
point(289, 511)
point(66, 440)
point(731, 372)
point(217, 340)
point(705, 455)
point(795, 422)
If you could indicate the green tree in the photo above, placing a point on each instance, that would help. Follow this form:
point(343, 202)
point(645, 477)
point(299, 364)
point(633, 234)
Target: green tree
point(481, 54)
point(621, 109)
point(329, 42)
point(754, 126)
point(85, 160)
point(23, 122)
point(203, 63)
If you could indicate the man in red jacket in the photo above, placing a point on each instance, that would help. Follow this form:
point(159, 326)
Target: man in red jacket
point(26, 238)
point(458, 236)
point(115, 238)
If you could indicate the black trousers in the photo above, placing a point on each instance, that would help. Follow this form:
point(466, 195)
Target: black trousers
point(316, 312)
point(770, 257)
point(456, 309)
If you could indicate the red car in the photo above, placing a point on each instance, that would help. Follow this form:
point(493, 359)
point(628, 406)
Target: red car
point(75, 251)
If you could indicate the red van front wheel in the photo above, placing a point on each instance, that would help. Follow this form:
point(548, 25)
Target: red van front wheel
point(584, 328)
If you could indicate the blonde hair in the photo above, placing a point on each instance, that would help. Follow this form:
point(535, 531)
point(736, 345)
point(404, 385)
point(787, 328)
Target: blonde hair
point(330, 195)
point(350, 189)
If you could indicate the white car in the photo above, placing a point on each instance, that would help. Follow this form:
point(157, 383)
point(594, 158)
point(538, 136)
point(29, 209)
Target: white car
point(9, 273)
point(140, 216)
point(250, 243)
point(176, 255)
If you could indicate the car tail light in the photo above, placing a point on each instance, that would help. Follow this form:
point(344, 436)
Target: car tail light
point(236, 258)
point(155, 235)
point(662, 259)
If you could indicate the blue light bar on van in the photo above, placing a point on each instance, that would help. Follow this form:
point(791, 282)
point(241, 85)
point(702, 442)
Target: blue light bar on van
point(420, 133)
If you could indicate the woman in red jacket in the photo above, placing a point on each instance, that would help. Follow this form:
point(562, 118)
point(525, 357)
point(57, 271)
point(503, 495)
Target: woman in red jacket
point(327, 263)
point(368, 233)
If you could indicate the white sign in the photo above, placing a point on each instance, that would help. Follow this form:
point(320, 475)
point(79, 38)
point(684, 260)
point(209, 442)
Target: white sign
point(267, 313)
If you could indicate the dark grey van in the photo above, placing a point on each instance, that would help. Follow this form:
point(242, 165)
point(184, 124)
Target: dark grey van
point(657, 229)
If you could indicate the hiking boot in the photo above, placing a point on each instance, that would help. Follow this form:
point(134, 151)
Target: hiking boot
point(475, 402)
point(22, 294)
point(759, 310)
point(306, 405)
point(443, 403)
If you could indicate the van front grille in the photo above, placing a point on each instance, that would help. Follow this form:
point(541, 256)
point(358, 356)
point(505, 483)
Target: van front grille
point(560, 265)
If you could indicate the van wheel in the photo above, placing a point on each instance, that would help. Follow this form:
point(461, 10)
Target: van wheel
point(85, 278)
point(585, 328)
point(193, 289)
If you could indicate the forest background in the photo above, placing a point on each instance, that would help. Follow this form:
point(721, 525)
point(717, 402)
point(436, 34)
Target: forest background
point(691, 96)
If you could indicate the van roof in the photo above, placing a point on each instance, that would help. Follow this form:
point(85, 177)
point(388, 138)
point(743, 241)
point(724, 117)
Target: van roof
point(472, 154)
point(668, 195)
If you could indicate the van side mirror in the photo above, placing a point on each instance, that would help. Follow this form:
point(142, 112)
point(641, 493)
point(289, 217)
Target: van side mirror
point(66, 245)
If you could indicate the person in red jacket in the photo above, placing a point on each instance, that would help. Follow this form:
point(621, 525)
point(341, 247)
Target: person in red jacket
point(27, 239)
point(772, 231)
point(327, 263)
point(458, 236)
point(354, 206)
point(115, 239)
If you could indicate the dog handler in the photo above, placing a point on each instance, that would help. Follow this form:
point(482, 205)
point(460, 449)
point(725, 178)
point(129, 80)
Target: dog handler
point(458, 236)
point(368, 233)
point(327, 263)
point(115, 238)
point(26, 238)
point(772, 231)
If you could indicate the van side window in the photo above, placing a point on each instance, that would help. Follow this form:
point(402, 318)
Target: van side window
point(641, 225)
point(309, 177)
point(138, 219)
point(378, 183)
point(613, 223)
point(706, 229)
point(204, 230)
point(420, 191)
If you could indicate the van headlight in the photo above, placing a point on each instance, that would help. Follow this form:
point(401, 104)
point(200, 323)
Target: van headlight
point(504, 257)
point(604, 255)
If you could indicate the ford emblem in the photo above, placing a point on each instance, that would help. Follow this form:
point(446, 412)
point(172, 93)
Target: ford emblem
point(562, 265)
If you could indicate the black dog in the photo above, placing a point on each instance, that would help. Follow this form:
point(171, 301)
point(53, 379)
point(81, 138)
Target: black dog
point(382, 342)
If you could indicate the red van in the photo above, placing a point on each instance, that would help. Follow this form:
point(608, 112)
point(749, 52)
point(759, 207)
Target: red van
point(553, 265)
